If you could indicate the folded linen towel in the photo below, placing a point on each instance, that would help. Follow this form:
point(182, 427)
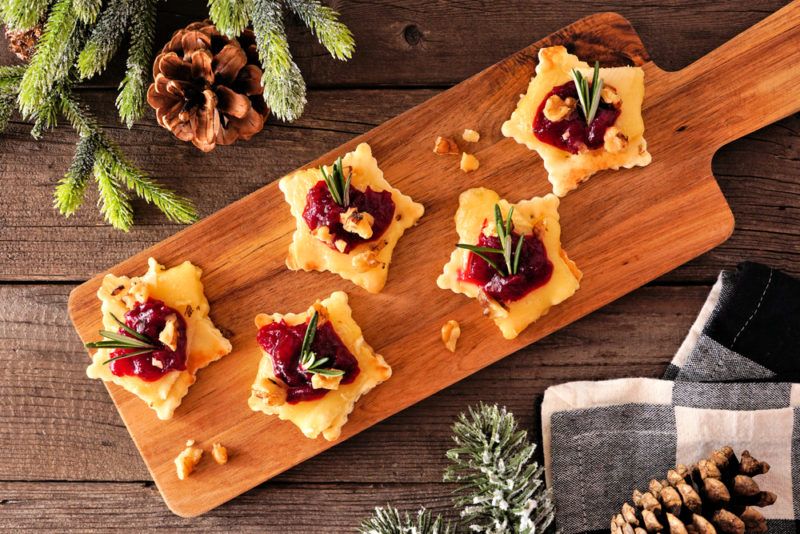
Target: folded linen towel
point(604, 439)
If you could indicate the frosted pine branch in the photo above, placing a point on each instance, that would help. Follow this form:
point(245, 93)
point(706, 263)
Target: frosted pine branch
point(389, 520)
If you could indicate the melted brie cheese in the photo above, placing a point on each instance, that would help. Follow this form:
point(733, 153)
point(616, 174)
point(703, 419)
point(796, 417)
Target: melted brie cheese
point(541, 213)
point(179, 288)
point(328, 414)
point(367, 264)
point(567, 170)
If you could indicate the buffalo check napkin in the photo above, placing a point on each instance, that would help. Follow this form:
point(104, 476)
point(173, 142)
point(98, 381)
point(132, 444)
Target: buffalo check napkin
point(730, 383)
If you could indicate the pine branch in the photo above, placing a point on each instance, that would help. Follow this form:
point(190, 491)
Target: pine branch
point(87, 10)
point(105, 38)
point(71, 188)
point(389, 520)
point(10, 78)
point(284, 87)
point(23, 14)
point(501, 488)
point(230, 16)
point(113, 201)
point(324, 24)
point(46, 115)
point(132, 99)
point(53, 59)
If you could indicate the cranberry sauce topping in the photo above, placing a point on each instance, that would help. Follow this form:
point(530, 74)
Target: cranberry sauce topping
point(571, 133)
point(534, 269)
point(149, 318)
point(322, 210)
point(282, 342)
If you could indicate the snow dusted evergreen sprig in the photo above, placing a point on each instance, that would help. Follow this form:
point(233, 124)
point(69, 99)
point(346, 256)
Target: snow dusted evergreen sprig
point(79, 40)
point(500, 488)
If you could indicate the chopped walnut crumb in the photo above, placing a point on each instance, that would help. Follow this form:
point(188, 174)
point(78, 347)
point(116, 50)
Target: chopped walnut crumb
point(365, 261)
point(340, 245)
point(325, 382)
point(271, 393)
point(357, 222)
point(169, 335)
point(323, 233)
point(471, 136)
point(614, 141)
point(469, 162)
point(156, 363)
point(609, 95)
point(451, 331)
point(556, 109)
point(219, 453)
point(445, 145)
point(187, 460)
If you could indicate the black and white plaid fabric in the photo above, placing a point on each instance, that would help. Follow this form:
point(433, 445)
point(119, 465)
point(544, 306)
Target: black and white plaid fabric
point(730, 383)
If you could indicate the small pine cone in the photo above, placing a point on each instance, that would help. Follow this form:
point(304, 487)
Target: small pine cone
point(22, 43)
point(207, 88)
point(716, 495)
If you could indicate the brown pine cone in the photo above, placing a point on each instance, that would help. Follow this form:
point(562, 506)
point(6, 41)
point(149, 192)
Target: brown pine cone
point(207, 88)
point(23, 42)
point(716, 495)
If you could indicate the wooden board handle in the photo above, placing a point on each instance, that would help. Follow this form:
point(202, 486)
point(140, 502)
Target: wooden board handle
point(749, 82)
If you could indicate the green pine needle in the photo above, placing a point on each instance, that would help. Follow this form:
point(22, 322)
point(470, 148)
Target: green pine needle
point(87, 10)
point(106, 37)
point(501, 489)
point(389, 520)
point(230, 16)
point(132, 98)
point(71, 189)
point(324, 24)
point(113, 202)
point(23, 14)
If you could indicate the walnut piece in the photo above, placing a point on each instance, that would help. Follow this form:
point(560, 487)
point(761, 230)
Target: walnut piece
point(340, 245)
point(219, 453)
point(357, 222)
point(169, 335)
point(451, 331)
point(323, 233)
point(469, 162)
point(270, 392)
point(614, 141)
point(609, 95)
point(556, 109)
point(187, 460)
point(471, 136)
point(445, 145)
point(364, 261)
point(325, 382)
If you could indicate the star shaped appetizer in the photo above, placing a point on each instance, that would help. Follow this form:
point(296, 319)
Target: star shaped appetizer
point(509, 257)
point(157, 334)
point(579, 119)
point(315, 366)
point(349, 219)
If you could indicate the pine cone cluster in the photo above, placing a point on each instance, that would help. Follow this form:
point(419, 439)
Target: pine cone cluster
point(207, 88)
point(717, 494)
point(22, 43)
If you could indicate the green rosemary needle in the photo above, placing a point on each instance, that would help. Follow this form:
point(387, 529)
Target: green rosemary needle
point(309, 362)
point(140, 343)
point(511, 254)
point(338, 185)
point(588, 96)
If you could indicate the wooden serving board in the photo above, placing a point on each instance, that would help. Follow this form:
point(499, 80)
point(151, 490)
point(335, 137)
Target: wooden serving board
point(623, 229)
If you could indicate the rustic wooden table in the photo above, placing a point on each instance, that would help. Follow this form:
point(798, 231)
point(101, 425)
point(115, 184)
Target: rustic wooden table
point(68, 462)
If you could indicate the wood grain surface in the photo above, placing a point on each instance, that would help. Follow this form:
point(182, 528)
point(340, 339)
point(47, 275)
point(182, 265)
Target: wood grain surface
point(63, 436)
point(623, 232)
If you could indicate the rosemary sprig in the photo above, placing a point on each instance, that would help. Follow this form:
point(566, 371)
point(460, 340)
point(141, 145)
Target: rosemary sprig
point(115, 340)
point(338, 185)
point(588, 96)
point(511, 254)
point(309, 362)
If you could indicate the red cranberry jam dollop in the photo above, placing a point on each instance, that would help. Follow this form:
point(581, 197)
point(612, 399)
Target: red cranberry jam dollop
point(535, 269)
point(572, 133)
point(322, 210)
point(282, 342)
point(149, 318)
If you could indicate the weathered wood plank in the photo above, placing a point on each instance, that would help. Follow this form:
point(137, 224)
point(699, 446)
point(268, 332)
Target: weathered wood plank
point(418, 42)
point(273, 507)
point(56, 424)
point(760, 176)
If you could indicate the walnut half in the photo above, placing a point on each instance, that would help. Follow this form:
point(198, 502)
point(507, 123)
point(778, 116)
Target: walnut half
point(556, 109)
point(357, 222)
